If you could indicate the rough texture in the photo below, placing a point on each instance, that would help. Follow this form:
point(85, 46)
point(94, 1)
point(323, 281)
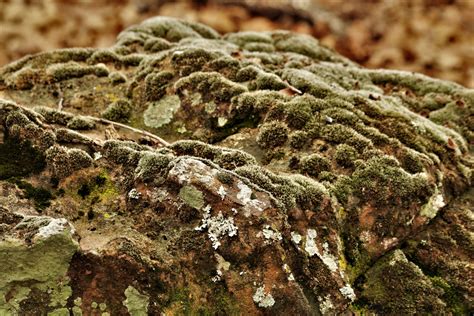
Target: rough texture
point(294, 181)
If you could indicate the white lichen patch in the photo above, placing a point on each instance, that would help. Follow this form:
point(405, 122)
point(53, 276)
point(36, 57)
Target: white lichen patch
point(217, 226)
point(431, 208)
point(263, 299)
point(287, 270)
point(134, 194)
point(348, 292)
point(55, 226)
point(184, 169)
point(222, 192)
point(245, 193)
point(311, 248)
point(296, 238)
point(97, 155)
point(328, 259)
point(310, 244)
point(270, 235)
point(325, 305)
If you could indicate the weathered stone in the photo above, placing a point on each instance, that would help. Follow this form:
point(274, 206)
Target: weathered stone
point(287, 181)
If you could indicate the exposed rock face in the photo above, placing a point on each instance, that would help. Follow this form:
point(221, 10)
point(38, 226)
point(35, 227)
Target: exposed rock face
point(294, 181)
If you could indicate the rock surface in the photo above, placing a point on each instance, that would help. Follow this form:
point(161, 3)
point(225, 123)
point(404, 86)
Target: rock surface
point(184, 172)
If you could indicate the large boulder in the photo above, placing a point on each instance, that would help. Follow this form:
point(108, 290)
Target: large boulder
point(184, 172)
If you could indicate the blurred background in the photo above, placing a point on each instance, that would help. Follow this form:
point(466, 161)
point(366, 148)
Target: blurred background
point(435, 37)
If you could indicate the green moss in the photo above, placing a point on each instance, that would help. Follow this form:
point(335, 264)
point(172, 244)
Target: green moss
point(60, 72)
point(243, 38)
point(314, 164)
point(382, 181)
point(81, 123)
point(397, 286)
point(192, 59)
point(136, 302)
point(17, 118)
point(304, 45)
point(233, 158)
point(155, 85)
point(97, 189)
point(267, 81)
point(122, 152)
point(272, 134)
point(117, 78)
point(411, 161)
point(297, 115)
point(119, 111)
point(342, 188)
point(19, 159)
point(59, 312)
point(454, 299)
point(337, 133)
point(213, 84)
point(154, 45)
point(63, 161)
point(345, 155)
point(152, 166)
point(299, 139)
point(192, 196)
point(161, 112)
point(104, 56)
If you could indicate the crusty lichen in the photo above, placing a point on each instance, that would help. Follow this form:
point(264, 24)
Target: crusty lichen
point(41, 265)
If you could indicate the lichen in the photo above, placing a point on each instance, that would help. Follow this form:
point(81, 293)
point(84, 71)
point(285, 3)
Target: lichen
point(161, 112)
point(192, 196)
point(42, 264)
point(264, 300)
point(136, 302)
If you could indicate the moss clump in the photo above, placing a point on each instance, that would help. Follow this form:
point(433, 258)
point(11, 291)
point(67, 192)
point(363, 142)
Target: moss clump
point(454, 299)
point(272, 134)
point(382, 181)
point(314, 164)
point(80, 123)
point(161, 112)
point(192, 59)
point(192, 196)
point(117, 78)
point(289, 191)
point(60, 72)
point(63, 161)
point(397, 286)
point(154, 45)
point(155, 84)
point(152, 166)
point(299, 139)
point(119, 111)
point(122, 152)
point(337, 133)
point(19, 159)
point(411, 161)
point(213, 84)
point(233, 159)
point(53, 116)
point(345, 155)
point(267, 81)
